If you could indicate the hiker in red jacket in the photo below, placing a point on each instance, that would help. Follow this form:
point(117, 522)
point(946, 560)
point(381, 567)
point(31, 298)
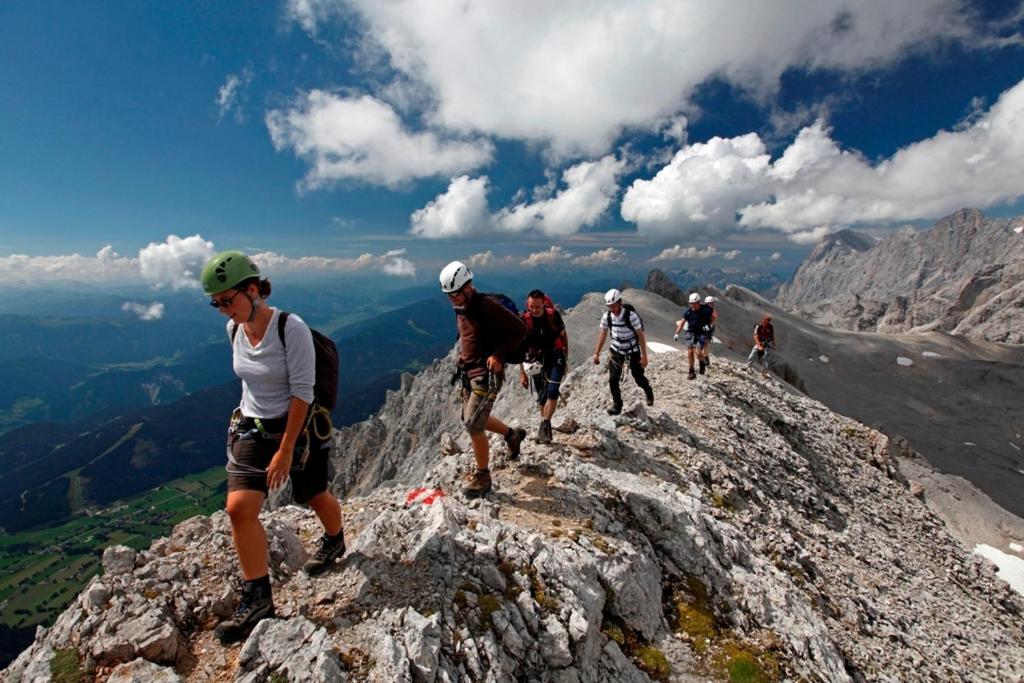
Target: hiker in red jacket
point(764, 339)
point(547, 345)
point(488, 333)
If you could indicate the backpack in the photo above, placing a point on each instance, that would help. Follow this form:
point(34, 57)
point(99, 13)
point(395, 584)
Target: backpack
point(627, 318)
point(325, 386)
point(504, 300)
point(549, 311)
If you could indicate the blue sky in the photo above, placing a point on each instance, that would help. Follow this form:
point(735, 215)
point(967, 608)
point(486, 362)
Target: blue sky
point(393, 136)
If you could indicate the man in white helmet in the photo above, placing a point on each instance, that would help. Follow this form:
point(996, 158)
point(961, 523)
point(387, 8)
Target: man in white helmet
point(696, 321)
point(488, 333)
point(628, 342)
point(709, 302)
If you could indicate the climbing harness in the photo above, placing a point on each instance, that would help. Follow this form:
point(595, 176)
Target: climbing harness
point(488, 395)
point(237, 432)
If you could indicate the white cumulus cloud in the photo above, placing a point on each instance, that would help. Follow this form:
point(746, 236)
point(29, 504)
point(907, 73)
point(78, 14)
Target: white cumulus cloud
point(575, 74)
point(553, 256)
point(105, 265)
point(587, 190)
point(679, 253)
point(775, 256)
point(147, 312)
point(816, 186)
point(731, 254)
point(176, 262)
point(391, 263)
point(701, 189)
point(602, 257)
point(487, 258)
point(363, 139)
point(460, 210)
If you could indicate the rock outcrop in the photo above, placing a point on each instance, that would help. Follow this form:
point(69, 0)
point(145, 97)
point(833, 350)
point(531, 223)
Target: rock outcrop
point(963, 276)
point(733, 527)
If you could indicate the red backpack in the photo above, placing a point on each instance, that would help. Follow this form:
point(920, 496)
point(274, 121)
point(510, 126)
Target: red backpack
point(549, 311)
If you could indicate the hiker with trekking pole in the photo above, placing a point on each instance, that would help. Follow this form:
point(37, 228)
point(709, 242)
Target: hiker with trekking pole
point(489, 333)
point(280, 430)
point(628, 343)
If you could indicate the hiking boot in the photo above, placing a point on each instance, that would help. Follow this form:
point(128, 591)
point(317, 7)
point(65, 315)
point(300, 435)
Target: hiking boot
point(330, 549)
point(703, 365)
point(707, 361)
point(255, 605)
point(544, 432)
point(691, 374)
point(615, 409)
point(479, 484)
point(514, 437)
point(650, 397)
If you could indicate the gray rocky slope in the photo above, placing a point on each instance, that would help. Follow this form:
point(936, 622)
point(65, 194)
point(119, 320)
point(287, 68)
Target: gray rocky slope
point(734, 527)
point(964, 276)
point(955, 400)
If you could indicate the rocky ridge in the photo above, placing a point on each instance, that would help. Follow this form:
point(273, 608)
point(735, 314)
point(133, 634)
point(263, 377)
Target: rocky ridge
point(734, 526)
point(963, 276)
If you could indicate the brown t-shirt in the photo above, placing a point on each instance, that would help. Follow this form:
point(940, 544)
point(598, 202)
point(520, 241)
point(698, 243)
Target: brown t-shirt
point(486, 328)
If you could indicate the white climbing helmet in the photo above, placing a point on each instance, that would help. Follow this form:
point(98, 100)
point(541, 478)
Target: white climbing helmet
point(454, 276)
point(694, 298)
point(612, 296)
point(532, 368)
point(709, 299)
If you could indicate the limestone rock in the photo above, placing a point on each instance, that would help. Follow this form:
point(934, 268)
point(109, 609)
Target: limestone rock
point(142, 671)
point(292, 648)
point(118, 559)
point(963, 276)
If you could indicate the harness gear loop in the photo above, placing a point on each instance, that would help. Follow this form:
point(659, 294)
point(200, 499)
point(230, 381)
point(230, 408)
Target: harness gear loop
point(317, 410)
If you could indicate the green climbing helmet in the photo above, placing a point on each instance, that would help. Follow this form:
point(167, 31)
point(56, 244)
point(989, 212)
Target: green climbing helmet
point(226, 270)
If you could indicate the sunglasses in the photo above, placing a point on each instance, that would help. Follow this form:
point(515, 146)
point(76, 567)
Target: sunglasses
point(224, 303)
point(457, 292)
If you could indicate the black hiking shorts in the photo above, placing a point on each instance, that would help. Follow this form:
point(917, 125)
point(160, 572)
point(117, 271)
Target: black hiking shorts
point(250, 453)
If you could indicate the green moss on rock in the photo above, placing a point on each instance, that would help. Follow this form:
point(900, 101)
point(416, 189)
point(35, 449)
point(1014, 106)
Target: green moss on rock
point(65, 666)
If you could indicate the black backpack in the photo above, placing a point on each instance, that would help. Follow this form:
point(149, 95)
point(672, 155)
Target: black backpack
point(325, 386)
point(628, 318)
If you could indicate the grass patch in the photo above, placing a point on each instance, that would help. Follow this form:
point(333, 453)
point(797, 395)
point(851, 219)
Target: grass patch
point(646, 656)
point(693, 615)
point(65, 667)
point(691, 612)
point(548, 602)
point(746, 664)
point(489, 604)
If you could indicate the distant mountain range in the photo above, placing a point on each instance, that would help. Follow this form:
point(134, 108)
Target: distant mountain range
point(116, 433)
point(964, 276)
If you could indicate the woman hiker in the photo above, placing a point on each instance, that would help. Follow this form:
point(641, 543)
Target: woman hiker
point(270, 436)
